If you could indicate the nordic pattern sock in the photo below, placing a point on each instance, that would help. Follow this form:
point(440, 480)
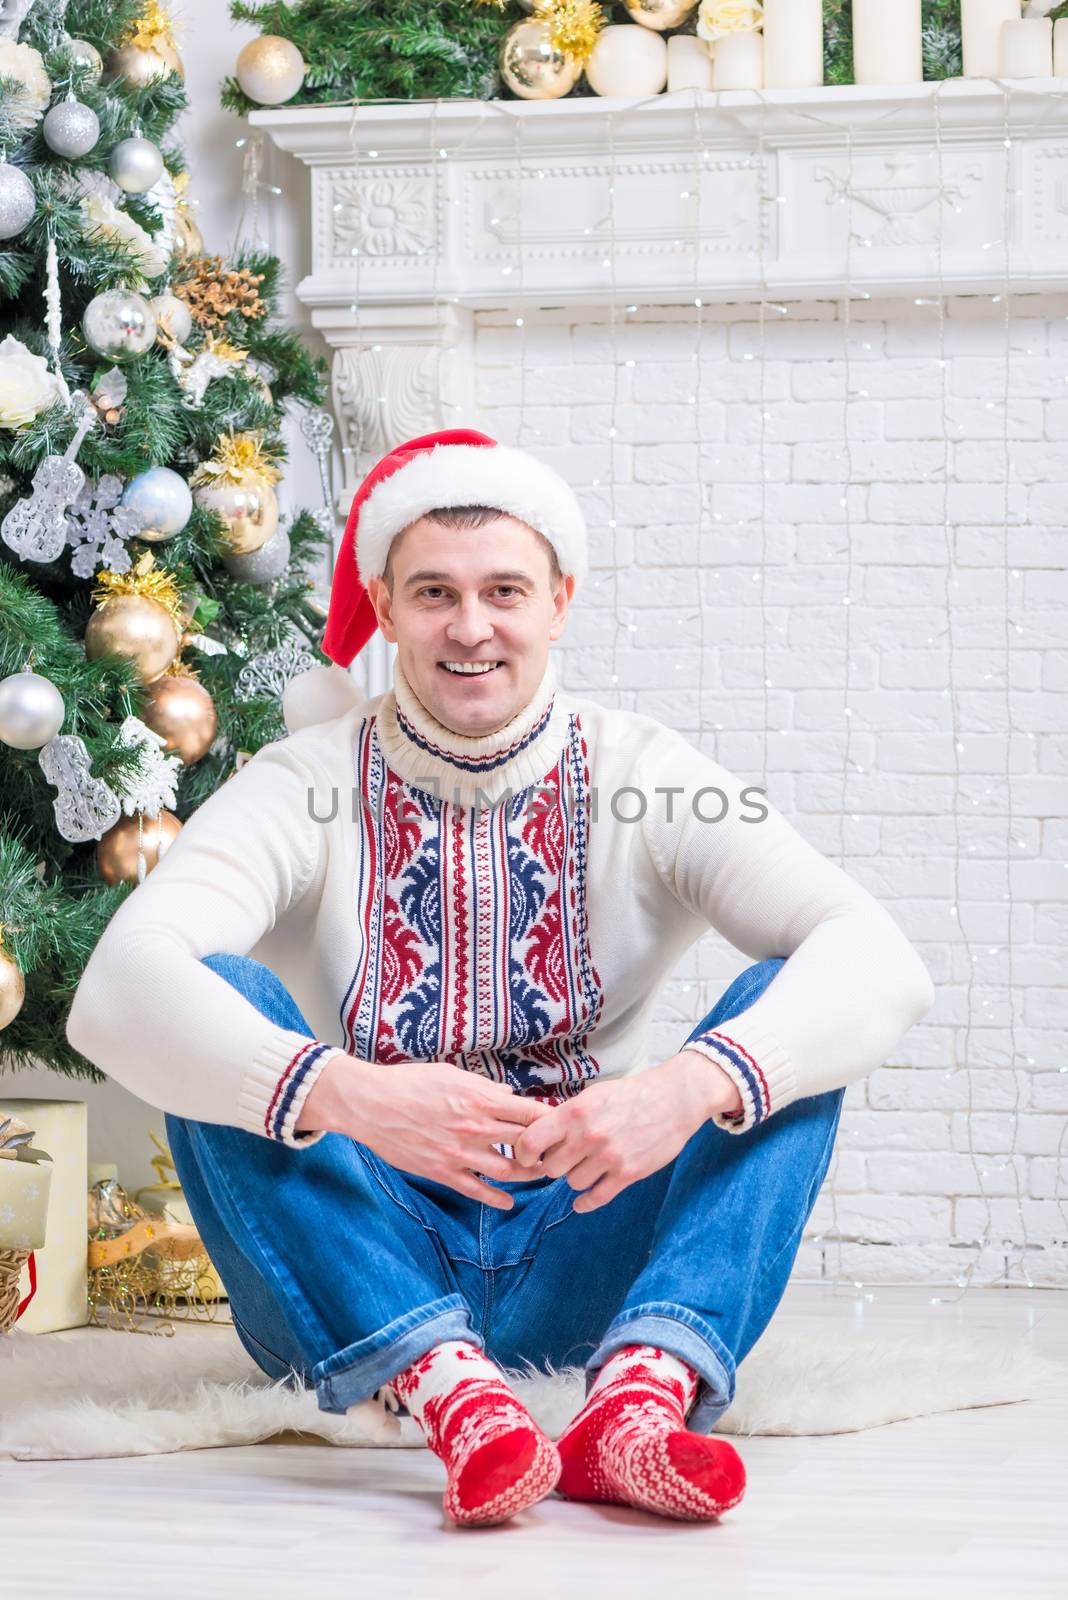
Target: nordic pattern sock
point(629, 1444)
point(498, 1460)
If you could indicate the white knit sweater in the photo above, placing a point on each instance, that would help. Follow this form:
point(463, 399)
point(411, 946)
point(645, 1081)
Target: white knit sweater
point(425, 896)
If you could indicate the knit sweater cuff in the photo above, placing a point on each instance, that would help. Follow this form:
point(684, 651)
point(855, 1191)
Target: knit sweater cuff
point(757, 1062)
point(277, 1084)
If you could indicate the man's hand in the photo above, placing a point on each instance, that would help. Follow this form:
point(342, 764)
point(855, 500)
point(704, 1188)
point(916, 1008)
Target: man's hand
point(427, 1117)
point(615, 1132)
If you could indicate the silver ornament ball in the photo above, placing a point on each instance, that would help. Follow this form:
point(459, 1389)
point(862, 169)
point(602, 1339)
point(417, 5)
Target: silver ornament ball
point(31, 710)
point(262, 565)
point(119, 324)
point(71, 129)
point(172, 316)
point(18, 201)
point(135, 164)
point(86, 55)
point(162, 499)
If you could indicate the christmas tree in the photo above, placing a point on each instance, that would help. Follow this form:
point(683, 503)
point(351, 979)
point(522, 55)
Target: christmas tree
point(152, 604)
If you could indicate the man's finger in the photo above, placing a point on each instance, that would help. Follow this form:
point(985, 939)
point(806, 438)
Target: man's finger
point(598, 1196)
point(519, 1109)
point(541, 1135)
point(589, 1171)
point(467, 1183)
point(492, 1165)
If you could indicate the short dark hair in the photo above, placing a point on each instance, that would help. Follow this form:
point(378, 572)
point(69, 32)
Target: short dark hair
point(473, 517)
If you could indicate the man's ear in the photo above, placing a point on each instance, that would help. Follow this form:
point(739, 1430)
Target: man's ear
point(379, 597)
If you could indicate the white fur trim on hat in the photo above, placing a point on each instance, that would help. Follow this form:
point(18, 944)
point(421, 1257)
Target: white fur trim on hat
point(497, 475)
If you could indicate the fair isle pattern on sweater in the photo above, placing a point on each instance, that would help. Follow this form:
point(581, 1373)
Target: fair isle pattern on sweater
point(473, 931)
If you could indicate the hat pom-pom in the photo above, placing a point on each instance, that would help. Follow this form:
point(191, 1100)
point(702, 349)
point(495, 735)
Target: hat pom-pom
point(318, 695)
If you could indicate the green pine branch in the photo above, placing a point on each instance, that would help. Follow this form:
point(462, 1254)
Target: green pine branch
point(52, 899)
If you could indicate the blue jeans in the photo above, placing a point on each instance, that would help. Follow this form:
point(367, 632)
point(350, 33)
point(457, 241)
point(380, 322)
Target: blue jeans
point(342, 1269)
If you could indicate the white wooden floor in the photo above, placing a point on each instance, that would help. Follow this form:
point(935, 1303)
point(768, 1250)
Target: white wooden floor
point(969, 1503)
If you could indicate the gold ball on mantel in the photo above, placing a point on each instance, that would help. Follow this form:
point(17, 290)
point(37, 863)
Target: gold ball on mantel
point(134, 626)
point(116, 854)
point(181, 711)
point(658, 14)
point(532, 67)
point(12, 989)
point(248, 508)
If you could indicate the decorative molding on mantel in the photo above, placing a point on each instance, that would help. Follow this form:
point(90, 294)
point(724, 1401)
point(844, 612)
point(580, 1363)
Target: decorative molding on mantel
point(426, 211)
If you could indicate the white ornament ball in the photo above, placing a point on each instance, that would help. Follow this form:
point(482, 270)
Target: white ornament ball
point(18, 202)
point(162, 499)
point(172, 316)
point(135, 164)
point(86, 55)
point(31, 710)
point(627, 60)
point(71, 129)
point(270, 69)
point(119, 324)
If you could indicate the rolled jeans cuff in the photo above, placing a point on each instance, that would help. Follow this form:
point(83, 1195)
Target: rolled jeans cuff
point(684, 1334)
point(354, 1373)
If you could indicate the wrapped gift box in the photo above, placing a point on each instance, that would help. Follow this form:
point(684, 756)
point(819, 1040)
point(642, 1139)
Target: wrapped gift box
point(60, 1128)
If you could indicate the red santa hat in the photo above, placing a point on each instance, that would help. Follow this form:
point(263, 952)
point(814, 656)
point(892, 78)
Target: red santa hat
point(457, 467)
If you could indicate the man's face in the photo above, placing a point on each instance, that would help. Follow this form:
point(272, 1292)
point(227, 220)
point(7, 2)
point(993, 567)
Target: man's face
point(476, 595)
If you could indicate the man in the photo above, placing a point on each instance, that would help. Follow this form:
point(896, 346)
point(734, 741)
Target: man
point(392, 985)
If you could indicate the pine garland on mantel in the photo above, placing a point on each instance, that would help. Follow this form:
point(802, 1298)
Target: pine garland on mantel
point(389, 50)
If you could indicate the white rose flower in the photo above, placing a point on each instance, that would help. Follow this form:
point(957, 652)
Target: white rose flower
point(27, 387)
point(105, 218)
point(717, 18)
point(25, 64)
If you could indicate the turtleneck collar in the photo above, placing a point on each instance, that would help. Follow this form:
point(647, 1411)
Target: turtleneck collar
point(471, 770)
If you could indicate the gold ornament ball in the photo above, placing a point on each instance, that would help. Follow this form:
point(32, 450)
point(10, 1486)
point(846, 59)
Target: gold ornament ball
point(116, 854)
point(249, 509)
point(182, 711)
point(188, 239)
point(141, 65)
point(658, 14)
point(270, 69)
point(134, 626)
point(12, 989)
point(531, 67)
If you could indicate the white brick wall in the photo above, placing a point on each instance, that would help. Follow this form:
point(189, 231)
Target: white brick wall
point(763, 479)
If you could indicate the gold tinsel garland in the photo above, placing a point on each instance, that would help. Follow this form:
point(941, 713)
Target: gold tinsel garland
point(143, 579)
point(236, 455)
point(573, 26)
point(212, 291)
point(152, 27)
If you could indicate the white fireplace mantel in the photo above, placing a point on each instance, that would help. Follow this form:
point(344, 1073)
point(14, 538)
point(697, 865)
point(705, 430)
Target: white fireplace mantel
point(425, 211)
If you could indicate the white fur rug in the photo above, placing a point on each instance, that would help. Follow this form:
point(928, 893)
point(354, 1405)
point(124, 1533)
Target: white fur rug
point(92, 1392)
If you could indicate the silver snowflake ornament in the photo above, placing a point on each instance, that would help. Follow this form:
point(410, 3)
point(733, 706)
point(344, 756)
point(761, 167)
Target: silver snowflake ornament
point(265, 677)
point(97, 528)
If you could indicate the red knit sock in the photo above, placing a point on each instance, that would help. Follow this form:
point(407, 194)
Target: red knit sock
point(498, 1460)
point(629, 1444)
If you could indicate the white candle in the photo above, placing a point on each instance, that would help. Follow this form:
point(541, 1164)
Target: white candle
point(1027, 48)
point(738, 61)
point(689, 63)
point(793, 44)
point(887, 42)
point(980, 31)
point(1060, 48)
